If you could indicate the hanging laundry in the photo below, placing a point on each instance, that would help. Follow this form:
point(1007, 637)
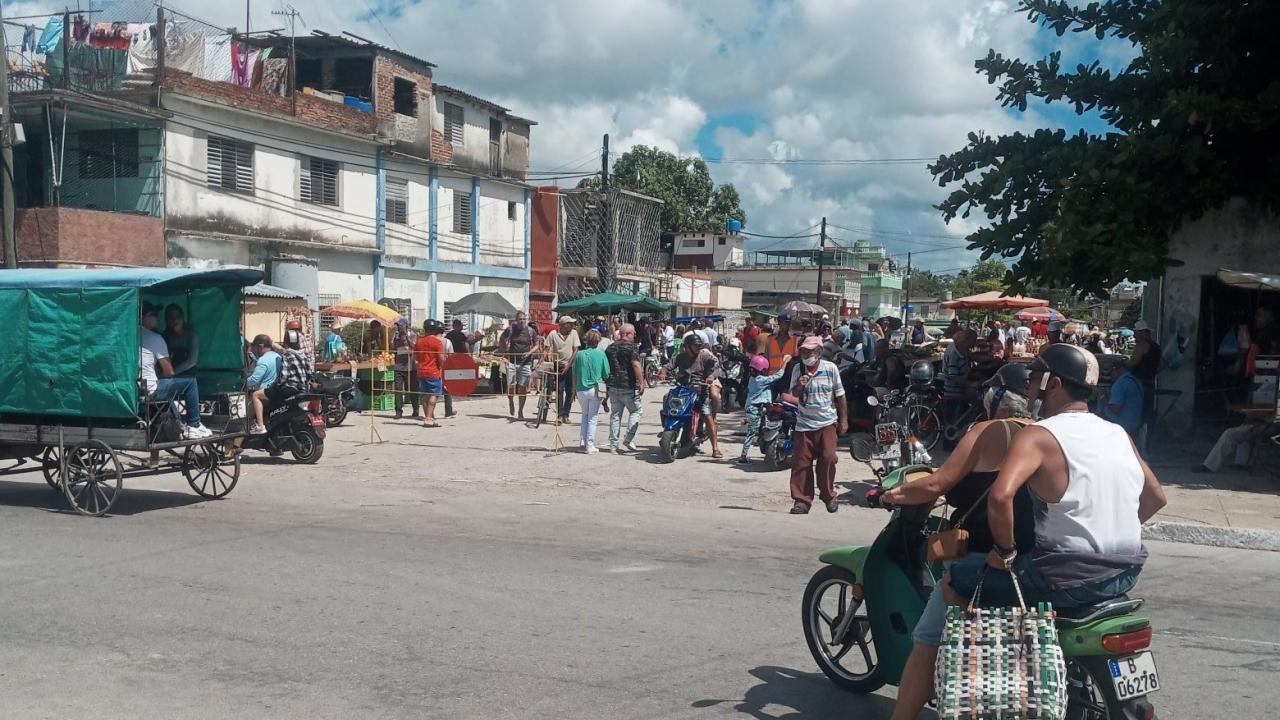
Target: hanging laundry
point(217, 59)
point(275, 76)
point(49, 38)
point(110, 36)
point(80, 29)
point(245, 65)
point(29, 38)
point(139, 31)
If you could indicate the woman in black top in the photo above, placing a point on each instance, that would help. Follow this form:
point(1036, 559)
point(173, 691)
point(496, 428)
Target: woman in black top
point(183, 344)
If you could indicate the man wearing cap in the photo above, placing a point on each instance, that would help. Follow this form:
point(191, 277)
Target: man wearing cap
point(156, 371)
point(1090, 491)
point(402, 346)
point(428, 353)
point(819, 423)
point(560, 348)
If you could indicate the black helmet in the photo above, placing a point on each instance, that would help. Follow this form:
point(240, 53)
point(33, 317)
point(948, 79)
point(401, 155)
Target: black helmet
point(921, 372)
point(1070, 363)
point(1014, 376)
point(693, 340)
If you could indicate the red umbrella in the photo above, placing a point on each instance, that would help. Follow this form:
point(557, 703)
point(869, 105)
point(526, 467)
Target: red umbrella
point(994, 300)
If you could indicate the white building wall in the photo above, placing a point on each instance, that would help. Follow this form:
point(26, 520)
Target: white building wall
point(452, 247)
point(414, 286)
point(450, 288)
point(501, 224)
point(725, 250)
point(411, 239)
point(274, 209)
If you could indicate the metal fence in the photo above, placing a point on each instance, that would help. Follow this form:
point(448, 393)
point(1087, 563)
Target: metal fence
point(608, 243)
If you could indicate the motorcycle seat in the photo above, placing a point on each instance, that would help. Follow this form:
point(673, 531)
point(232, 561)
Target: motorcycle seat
point(1084, 614)
point(334, 385)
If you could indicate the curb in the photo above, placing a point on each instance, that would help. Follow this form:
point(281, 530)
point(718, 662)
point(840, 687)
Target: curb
point(1213, 535)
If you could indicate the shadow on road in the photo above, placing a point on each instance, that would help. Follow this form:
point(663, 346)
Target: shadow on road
point(37, 494)
point(855, 493)
point(787, 694)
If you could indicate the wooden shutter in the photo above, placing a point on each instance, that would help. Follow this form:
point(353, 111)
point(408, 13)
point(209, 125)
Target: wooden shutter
point(318, 182)
point(461, 212)
point(229, 164)
point(397, 205)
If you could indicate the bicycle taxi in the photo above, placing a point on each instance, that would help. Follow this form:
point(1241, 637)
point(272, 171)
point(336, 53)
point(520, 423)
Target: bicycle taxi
point(71, 395)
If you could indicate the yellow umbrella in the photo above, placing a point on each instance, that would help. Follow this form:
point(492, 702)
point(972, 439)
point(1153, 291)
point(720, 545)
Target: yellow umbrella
point(363, 310)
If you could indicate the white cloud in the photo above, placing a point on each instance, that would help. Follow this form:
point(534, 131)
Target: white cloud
point(842, 79)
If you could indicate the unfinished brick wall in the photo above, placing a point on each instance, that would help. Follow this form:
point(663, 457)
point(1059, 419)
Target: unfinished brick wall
point(441, 151)
point(410, 133)
point(311, 110)
point(54, 237)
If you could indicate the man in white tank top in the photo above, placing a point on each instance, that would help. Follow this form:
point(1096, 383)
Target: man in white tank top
point(1090, 488)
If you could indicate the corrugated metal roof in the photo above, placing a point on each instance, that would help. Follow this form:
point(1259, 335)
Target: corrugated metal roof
point(506, 112)
point(264, 290)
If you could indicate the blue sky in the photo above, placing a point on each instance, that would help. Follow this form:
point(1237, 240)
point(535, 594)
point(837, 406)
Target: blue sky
point(804, 79)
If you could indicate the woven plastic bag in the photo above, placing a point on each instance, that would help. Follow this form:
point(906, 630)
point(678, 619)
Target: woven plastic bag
point(1001, 663)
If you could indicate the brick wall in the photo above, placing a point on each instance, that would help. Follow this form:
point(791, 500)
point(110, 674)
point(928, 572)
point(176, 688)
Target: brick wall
point(441, 151)
point(49, 237)
point(311, 110)
point(410, 133)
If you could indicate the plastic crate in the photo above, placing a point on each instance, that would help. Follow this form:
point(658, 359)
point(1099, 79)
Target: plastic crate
point(380, 403)
point(380, 376)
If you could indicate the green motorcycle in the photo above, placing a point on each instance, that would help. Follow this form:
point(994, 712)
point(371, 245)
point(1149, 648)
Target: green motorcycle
point(859, 611)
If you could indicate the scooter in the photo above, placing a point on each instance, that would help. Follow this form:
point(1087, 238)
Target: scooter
point(859, 610)
point(891, 445)
point(777, 424)
point(337, 392)
point(294, 425)
point(682, 427)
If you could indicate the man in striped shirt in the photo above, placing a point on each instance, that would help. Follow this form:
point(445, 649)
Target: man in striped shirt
point(821, 420)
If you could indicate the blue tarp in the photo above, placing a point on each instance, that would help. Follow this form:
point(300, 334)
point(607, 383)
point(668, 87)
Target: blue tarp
point(155, 278)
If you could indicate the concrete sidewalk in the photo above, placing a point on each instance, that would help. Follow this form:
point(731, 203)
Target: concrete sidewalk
point(1233, 508)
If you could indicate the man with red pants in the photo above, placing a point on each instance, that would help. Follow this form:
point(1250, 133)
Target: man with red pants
point(816, 384)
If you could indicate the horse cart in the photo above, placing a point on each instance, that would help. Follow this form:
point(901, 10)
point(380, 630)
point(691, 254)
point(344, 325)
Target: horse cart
point(73, 404)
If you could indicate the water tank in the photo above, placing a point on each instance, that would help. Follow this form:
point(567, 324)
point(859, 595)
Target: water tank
point(299, 274)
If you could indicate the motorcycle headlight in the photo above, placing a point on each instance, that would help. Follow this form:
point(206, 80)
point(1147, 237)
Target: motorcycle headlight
point(674, 405)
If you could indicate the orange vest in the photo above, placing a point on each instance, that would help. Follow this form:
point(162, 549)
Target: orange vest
point(778, 350)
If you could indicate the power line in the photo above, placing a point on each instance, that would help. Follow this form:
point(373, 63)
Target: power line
point(374, 13)
point(802, 161)
point(902, 233)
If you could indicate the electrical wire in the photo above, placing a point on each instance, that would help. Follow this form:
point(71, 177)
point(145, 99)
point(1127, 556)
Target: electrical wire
point(382, 25)
point(802, 161)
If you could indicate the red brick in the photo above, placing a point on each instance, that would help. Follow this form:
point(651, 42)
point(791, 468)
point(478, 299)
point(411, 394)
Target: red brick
point(51, 237)
point(310, 110)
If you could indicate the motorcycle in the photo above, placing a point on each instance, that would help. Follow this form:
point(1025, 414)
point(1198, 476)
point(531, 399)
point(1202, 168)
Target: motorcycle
point(892, 444)
point(652, 368)
point(682, 427)
point(777, 424)
point(733, 388)
point(858, 612)
point(337, 394)
point(295, 426)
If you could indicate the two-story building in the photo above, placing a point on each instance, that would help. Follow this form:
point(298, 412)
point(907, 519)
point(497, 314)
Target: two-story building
point(361, 178)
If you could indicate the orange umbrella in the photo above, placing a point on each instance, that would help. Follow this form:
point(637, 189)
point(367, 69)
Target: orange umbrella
point(994, 300)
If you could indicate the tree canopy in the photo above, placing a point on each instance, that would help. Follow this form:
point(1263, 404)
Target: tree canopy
point(1195, 122)
point(691, 200)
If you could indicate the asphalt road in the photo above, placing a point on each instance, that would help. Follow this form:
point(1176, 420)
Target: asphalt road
point(495, 581)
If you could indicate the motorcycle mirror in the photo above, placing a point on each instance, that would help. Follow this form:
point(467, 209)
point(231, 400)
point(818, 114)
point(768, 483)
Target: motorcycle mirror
point(872, 400)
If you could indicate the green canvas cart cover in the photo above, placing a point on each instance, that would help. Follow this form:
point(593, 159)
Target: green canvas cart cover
point(70, 345)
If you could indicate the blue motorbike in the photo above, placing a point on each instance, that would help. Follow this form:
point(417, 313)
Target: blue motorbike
point(682, 427)
point(777, 423)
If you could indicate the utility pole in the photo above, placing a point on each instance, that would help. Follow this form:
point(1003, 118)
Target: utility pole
point(246, 17)
point(6, 158)
point(605, 268)
point(822, 250)
point(906, 293)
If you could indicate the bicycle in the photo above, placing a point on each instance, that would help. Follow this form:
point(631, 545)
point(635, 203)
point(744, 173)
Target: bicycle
point(547, 395)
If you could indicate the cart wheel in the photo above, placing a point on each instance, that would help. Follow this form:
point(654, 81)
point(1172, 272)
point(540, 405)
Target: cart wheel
point(93, 477)
point(209, 473)
point(50, 467)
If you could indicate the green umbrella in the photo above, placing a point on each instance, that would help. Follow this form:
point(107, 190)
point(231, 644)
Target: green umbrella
point(610, 302)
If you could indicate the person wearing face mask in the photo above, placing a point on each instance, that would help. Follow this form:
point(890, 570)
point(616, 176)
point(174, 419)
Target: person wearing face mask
point(964, 479)
point(820, 421)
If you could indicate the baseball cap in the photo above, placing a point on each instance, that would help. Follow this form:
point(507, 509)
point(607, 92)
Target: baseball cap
point(1140, 326)
point(565, 319)
point(811, 343)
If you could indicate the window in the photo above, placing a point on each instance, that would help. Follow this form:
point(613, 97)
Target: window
point(229, 164)
point(405, 97)
point(720, 240)
point(106, 154)
point(453, 123)
point(694, 242)
point(511, 210)
point(319, 181)
point(397, 205)
point(461, 212)
point(448, 317)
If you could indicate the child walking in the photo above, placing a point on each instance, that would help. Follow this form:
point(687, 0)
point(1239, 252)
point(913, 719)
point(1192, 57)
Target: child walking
point(759, 397)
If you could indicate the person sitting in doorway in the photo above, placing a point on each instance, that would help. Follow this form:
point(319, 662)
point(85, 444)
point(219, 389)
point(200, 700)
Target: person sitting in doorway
point(155, 368)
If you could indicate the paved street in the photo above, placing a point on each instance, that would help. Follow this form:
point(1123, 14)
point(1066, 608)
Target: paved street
point(471, 574)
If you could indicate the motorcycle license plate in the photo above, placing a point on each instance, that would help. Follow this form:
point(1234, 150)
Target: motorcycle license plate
point(1134, 675)
point(772, 424)
point(887, 434)
point(316, 421)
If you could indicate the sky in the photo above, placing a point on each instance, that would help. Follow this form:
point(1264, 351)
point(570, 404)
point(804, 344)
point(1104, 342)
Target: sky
point(733, 79)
